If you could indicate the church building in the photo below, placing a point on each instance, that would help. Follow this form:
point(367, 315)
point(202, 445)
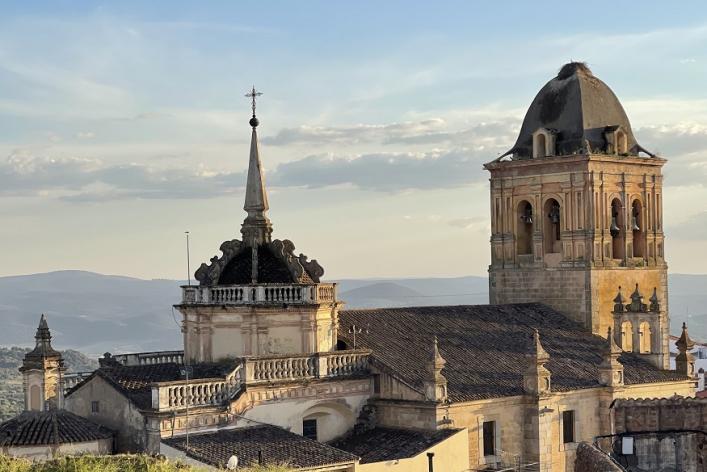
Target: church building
point(271, 360)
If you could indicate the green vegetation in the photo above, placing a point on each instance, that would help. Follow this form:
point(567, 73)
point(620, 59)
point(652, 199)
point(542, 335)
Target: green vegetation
point(119, 463)
point(11, 399)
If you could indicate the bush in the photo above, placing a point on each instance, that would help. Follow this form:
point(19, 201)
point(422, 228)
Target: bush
point(118, 463)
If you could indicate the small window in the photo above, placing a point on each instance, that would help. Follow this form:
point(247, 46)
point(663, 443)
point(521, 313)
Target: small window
point(377, 384)
point(95, 407)
point(309, 429)
point(568, 426)
point(489, 438)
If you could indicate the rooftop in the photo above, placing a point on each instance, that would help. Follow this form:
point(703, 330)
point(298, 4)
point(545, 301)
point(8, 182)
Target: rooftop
point(387, 444)
point(38, 428)
point(277, 446)
point(485, 347)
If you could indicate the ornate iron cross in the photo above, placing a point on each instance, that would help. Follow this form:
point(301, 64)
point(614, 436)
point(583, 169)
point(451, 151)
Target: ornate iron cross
point(253, 94)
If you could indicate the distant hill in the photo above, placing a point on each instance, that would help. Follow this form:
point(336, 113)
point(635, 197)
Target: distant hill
point(95, 313)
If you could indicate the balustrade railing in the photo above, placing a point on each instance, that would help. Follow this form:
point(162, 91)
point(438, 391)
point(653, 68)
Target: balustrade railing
point(146, 358)
point(253, 294)
point(176, 395)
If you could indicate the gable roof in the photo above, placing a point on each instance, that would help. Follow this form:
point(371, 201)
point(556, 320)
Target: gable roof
point(485, 347)
point(134, 382)
point(387, 444)
point(37, 428)
point(277, 445)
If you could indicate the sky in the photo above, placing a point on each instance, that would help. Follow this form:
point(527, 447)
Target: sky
point(124, 124)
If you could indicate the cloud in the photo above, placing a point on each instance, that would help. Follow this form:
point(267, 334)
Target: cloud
point(684, 144)
point(387, 172)
point(693, 228)
point(430, 131)
point(85, 179)
point(479, 223)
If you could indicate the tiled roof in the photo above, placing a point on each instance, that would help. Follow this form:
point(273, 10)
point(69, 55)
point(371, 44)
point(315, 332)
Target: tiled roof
point(277, 445)
point(387, 444)
point(36, 428)
point(485, 347)
point(134, 381)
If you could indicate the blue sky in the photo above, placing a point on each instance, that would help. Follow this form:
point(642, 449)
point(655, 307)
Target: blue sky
point(123, 124)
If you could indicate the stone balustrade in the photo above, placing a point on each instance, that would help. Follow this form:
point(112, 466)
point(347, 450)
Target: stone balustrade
point(146, 358)
point(258, 294)
point(72, 379)
point(177, 395)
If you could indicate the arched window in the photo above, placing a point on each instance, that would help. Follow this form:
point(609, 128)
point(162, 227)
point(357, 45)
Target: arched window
point(637, 226)
point(551, 229)
point(644, 335)
point(621, 142)
point(540, 145)
point(524, 236)
point(617, 230)
point(35, 398)
point(627, 336)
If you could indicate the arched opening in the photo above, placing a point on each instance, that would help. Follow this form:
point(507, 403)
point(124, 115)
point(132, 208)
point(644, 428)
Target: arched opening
point(617, 230)
point(524, 236)
point(644, 335)
point(540, 145)
point(35, 398)
point(627, 336)
point(326, 421)
point(637, 226)
point(621, 142)
point(551, 230)
point(341, 345)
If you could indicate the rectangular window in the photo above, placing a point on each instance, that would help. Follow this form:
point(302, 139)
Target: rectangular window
point(309, 429)
point(568, 426)
point(377, 384)
point(95, 407)
point(489, 438)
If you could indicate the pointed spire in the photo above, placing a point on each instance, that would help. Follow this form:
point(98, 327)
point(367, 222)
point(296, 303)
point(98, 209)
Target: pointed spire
point(637, 305)
point(619, 302)
point(540, 353)
point(655, 303)
point(537, 378)
point(611, 371)
point(43, 340)
point(685, 361)
point(256, 228)
point(436, 384)
point(684, 343)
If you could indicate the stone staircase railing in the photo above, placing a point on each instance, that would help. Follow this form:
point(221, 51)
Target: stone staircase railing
point(179, 394)
point(258, 294)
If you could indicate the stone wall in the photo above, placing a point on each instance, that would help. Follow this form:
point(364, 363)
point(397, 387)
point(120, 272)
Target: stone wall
point(591, 459)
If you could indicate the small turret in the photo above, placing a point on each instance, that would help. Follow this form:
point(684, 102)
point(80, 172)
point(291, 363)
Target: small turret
point(685, 361)
point(537, 379)
point(436, 383)
point(611, 371)
point(42, 370)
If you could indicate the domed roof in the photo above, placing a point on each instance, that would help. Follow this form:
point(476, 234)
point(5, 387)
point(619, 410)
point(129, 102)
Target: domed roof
point(579, 109)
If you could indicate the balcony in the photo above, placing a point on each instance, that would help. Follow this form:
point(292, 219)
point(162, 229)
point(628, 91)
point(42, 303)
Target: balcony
point(260, 370)
point(294, 294)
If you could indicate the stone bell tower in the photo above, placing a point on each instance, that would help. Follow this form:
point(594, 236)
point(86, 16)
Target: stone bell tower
point(42, 370)
point(576, 207)
point(258, 298)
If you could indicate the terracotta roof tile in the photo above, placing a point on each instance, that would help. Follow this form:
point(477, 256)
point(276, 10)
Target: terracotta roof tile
point(277, 445)
point(35, 428)
point(485, 347)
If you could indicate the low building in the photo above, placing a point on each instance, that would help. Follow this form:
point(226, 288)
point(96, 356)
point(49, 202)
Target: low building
point(45, 430)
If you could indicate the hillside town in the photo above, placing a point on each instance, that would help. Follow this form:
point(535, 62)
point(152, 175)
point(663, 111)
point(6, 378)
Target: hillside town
point(568, 368)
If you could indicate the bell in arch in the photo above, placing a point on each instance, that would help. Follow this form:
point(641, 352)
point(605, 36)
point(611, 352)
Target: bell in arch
point(614, 229)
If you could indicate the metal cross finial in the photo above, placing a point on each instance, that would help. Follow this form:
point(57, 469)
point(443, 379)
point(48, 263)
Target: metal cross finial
point(353, 329)
point(253, 94)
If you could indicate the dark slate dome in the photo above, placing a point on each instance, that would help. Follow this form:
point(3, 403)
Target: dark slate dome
point(579, 109)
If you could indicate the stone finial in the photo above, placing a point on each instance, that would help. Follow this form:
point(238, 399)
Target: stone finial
point(436, 384)
point(611, 371)
point(685, 361)
point(619, 306)
point(256, 228)
point(637, 305)
point(655, 303)
point(536, 379)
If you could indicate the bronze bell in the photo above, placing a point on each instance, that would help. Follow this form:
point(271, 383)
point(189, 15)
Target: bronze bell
point(614, 229)
point(634, 224)
point(554, 214)
point(527, 216)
